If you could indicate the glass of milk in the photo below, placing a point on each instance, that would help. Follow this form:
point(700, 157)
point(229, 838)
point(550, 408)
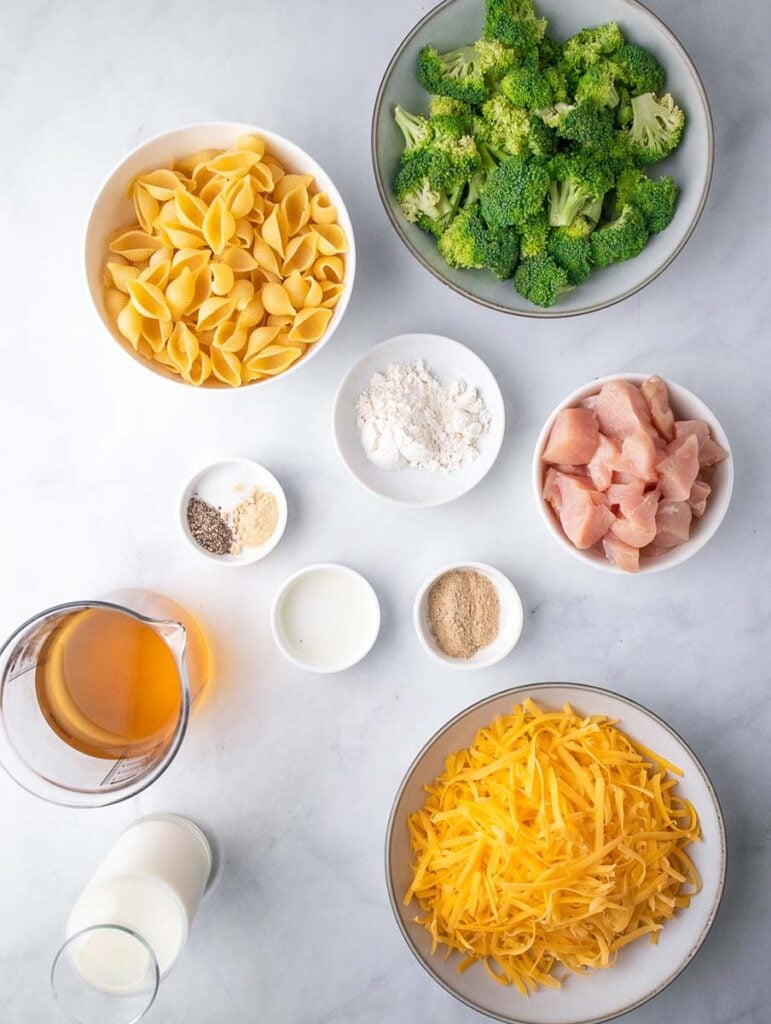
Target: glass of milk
point(131, 922)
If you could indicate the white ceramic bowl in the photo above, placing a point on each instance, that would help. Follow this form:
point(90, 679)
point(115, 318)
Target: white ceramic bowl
point(291, 652)
point(686, 406)
point(642, 970)
point(447, 360)
point(510, 623)
point(454, 22)
point(112, 210)
point(253, 475)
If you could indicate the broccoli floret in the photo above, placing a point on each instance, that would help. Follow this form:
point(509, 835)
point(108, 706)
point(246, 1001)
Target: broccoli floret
point(597, 84)
point(503, 126)
point(514, 191)
point(514, 23)
point(590, 45)
point(621, 239)
point(438, 106)
point(587, 124)
point(638, 69)
point(416, 131)
point(657, 127)
point(656, 200)
point(501, 251)
point(425, 193)
point(533, 235)
point(540, 280)
point(463, 243)
point(549, 52)
point(453, 126)
point(530, 86)
point(592, 213)
point(576, 182)
point(495, 59)
point(456, 74)
point(454, 159)
point(571, 249)
point(624, 108)
point(552, 116)
point(541, 141)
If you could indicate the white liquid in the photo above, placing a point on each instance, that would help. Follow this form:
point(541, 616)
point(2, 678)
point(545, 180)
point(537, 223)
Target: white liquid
point(328, 617)
point(151, 881)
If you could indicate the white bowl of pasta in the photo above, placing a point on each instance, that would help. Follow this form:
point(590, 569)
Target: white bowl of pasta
point(220, 255)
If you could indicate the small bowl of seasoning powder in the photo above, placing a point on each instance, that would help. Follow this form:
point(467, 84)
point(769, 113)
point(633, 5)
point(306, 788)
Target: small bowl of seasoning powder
point(233, 512)
point(468, 615)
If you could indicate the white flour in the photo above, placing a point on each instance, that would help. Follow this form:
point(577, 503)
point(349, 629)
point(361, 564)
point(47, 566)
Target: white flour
point(407, 418)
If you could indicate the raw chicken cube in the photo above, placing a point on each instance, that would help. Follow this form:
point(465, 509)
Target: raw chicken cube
point(673, 523)
point(602, 463)
point(626, 496)
point(638, 456)
point(621, 410)
point(684, 428)
point(620, 554)
point(584, 513)
point(656, 395)
point(698, 497)
point(678, 467)
point(573, 438)
point(551, 489)
point(711, 453)
point(639, 527)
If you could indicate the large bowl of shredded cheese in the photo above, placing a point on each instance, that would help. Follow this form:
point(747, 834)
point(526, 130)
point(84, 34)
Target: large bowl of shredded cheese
point(555, 855)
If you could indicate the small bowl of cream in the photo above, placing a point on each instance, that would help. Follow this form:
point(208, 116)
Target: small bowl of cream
point(468, 615)
point(233, 512)
point(325, 618)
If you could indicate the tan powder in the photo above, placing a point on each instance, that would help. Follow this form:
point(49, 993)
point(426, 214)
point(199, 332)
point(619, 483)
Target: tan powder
point(254, 520)
point(463, 611)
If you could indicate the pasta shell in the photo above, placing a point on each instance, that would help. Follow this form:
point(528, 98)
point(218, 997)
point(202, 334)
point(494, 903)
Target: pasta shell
point(257, 215)
point(182, 347)
point(254, 143)
point(262, 177)
point(290, 181)
point(229, 337)
point(322, 211)
point(242, 293)
point(315, 294)
point(149, 300)
point(233, 163)
point(239, 260)
point(274, 230)
point(279, 321)
point(332, 239)
point(187, 164)
point(200, 371)
point(211, 189)
point(309, 325)
point(276, 300)
point(114, 302)
point(226, 367)
point(222, 278)
point(192, 259)
point(136, 246)
point(259, 339)
point(190, 209)
point(239, 197)
point(329, 268)
point(202, 289)
point(156, 332)
point(157, 273)
point(159, 184)
point(146, 207)
point(274, 167)
point(213, 311)
point(161, 255)
point(218, 225)
point(300, 253)
point(297, 288)
point(295, 206)
point(264, 255)
point(122, 273)
point(182, 237)
point(273, 359)
point(331, 293)
point(251, 314)
point(129, 323)
point(180, 292)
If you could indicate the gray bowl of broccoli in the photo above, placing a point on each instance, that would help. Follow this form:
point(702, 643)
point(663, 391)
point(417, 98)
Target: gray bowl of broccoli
point(544, 160)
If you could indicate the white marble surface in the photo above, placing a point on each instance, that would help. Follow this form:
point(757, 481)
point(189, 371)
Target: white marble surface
point(294, 774)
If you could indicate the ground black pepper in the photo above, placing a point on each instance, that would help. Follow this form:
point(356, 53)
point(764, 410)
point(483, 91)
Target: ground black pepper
point(209, 527)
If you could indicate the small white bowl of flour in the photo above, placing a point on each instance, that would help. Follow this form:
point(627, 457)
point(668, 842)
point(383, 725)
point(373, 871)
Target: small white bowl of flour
point(419, 420)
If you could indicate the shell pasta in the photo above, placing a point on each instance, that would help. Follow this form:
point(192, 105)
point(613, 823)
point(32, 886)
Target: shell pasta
point(231, 270)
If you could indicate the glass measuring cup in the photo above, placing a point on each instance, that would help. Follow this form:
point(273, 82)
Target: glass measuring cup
point(95, 696)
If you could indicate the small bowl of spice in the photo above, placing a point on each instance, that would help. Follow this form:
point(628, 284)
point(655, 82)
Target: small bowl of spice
point(468, 615)
point(233, 512)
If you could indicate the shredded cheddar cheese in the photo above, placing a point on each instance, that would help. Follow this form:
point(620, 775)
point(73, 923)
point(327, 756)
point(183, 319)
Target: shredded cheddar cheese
point(554, 840)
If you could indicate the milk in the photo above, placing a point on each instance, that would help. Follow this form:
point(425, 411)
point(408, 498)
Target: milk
point(151, 882)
